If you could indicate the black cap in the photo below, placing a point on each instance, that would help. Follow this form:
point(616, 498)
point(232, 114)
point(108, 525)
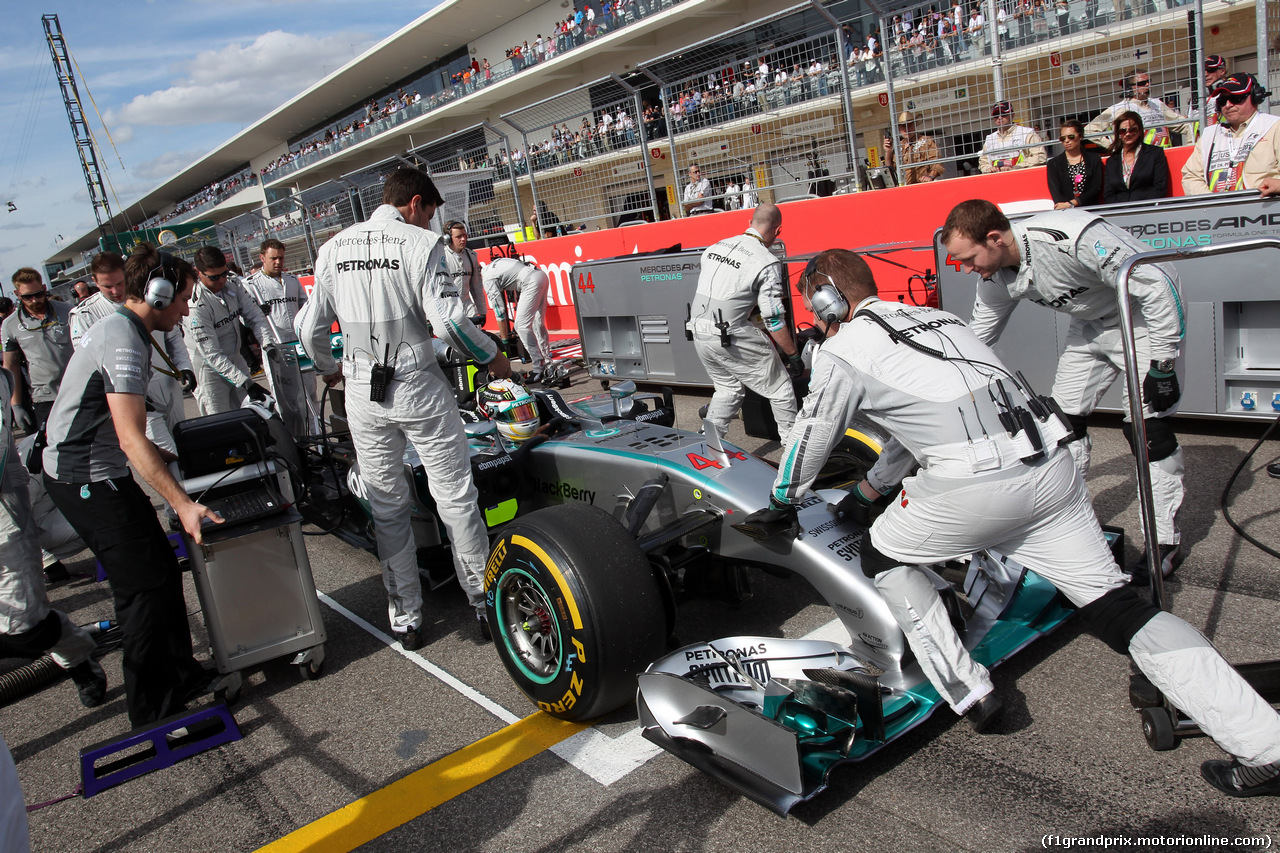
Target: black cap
point(1239, 83)
point(1215, 62)
point(1002, 108)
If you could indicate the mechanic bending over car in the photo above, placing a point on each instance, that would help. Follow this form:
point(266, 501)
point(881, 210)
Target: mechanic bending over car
point(991, 475)
point(1069, 260)
point(738, 275)
point(529, 284)
point(96, 430)
point(384, 281)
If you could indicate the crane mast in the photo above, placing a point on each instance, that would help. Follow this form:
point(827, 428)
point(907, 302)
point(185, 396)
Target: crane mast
point(79, 127)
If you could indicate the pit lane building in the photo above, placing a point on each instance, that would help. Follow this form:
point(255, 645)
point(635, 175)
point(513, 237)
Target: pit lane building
point(598, 128)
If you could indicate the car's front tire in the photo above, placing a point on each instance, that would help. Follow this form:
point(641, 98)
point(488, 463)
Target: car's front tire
point(575, 610)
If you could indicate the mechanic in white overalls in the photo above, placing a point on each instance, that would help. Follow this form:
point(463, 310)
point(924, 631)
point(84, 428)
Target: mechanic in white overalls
point(530, 286)
point(165, 407)
point(739, 275)
point(978, 488)
point(29, 627)
point(384, 281)
point(464, 272)
point(212, 332)
point(279, 296)
point(1069, 260)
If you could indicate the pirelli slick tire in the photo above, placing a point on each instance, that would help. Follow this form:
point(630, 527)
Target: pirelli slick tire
point(575, 610)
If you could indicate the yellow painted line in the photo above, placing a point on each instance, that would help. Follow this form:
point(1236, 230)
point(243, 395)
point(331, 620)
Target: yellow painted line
point(419, 792)
point(555, 570)
point(865, 439)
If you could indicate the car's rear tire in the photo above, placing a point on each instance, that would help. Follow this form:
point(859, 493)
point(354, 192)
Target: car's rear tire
point(575, 610)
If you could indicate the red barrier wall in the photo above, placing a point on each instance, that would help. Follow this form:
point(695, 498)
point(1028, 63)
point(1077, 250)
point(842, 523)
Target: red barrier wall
point(902, 216)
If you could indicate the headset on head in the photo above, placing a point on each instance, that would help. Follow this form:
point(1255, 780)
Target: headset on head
point(1257, 94)
point(160, 290)
point(828, 303)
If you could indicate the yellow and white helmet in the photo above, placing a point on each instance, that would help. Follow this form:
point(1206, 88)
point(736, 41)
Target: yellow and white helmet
point(511, 407)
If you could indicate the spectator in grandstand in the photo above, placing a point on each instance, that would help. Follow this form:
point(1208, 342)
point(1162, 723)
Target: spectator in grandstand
point(976, 32)
point(1241, 151)
point(1215, 71)
point(732, 194)
point(697, 194)
point(39, 333)
point(1075, 175)
point(212, 332)
point(915, 147)
point(1010, 146)
point(1157, 117)
point(1136, 170)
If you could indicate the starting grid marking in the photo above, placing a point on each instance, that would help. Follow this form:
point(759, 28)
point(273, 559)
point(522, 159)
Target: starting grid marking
point(605, 759)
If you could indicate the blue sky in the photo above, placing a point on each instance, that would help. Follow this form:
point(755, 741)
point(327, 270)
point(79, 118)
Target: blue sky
point(171, 78)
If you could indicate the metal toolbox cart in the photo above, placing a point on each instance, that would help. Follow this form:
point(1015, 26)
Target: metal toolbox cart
point(255, 587)
point(631, 315)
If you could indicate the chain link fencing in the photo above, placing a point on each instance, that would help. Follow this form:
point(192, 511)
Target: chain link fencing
point(582, 159)
point(1062, 59)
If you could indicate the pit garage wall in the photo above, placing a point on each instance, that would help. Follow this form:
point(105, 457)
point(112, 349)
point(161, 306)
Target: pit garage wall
point(902, 216)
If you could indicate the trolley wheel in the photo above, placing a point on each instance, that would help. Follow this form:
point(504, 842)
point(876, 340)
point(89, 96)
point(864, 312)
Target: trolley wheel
point(604, 384)
point(311, 670)
point(229, 695)
point(1157, 728)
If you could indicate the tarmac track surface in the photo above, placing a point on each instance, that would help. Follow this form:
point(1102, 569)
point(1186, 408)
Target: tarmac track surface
point(437, 750)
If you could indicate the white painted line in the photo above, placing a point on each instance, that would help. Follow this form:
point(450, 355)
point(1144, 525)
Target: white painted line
point(591, 751)
point(418, 660)
point(606, 759)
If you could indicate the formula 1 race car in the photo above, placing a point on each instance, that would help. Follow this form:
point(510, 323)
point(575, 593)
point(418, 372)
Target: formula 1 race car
point(602, 516)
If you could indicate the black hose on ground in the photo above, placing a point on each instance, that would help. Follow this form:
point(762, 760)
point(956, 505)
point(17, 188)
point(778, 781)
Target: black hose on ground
point(25, 680)
point(1231, 481)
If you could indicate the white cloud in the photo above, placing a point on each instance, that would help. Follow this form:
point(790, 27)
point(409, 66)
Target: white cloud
point(12, 224)
point(166, 165)
point(240, 82)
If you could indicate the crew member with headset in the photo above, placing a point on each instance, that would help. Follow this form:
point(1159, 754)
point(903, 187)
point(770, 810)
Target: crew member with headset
point(464, 272)
point(213, 335)
point(739, 275)
point(385, 282)
point(171, 370)
point(1069, 260)
point(530, 285)
point(1241, 151)
point(97, 429)
point(991, 475)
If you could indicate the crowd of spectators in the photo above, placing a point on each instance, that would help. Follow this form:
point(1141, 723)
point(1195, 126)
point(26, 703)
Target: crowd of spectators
point(575, 30)
point(216, 192)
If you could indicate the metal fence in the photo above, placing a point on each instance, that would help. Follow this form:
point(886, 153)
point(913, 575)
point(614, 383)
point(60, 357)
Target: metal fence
point(1268, 25)
point(763, 112)
point(477, 160)
point(582, 157)
point(1051, 60)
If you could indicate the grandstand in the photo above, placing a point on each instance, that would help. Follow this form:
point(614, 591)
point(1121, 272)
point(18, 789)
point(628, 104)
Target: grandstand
point(593, 129)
